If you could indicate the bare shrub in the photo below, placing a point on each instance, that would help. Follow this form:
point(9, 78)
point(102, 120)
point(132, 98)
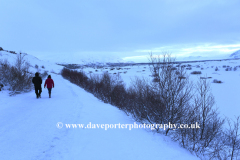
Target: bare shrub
point(18, 76)
point(118, 95)
point(211, 124)
point(233, 138)
point(13, 52)
point(217, 81)
point(140, 91)
point(205, 139)
point(196, 72)
point(155, 79)
point(181, 77)
point(173, 92)
point(155, 64)
point(203, 77)
point(104, 87)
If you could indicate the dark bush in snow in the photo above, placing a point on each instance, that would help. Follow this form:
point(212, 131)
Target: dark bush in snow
point(13, 52)
point(182, 77)
point(203, 77)
point(174, 68)
point(177, 72)
point(197, 66)
point(228, 69)
point(155, 79)
point(18, 76)
point(217, 81)
point(196, 72)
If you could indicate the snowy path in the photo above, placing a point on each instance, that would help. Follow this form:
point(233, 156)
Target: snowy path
point(28, 129)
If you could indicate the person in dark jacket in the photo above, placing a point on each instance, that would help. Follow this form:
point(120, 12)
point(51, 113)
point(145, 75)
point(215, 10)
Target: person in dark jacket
point(50, 84)
point(37, 81)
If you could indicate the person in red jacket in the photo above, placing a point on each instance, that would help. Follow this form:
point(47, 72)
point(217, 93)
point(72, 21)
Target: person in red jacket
point(50, 84)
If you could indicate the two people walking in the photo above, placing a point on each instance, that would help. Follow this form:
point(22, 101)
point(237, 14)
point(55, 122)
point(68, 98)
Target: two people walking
point(37, 81)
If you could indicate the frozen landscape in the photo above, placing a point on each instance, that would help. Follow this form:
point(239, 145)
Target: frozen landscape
point(226, 93)
point(29, 131)
point(133, 79)
point(28, 125)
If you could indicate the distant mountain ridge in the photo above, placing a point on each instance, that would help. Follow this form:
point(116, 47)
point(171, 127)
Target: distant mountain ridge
point(83, 59)
point(235, 54)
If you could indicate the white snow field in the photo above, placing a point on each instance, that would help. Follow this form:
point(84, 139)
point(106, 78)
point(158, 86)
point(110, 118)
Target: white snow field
point(29, 132)
point(28, 125)
point(226, 94)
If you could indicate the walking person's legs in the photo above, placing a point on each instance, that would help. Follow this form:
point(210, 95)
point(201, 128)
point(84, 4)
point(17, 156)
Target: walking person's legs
point(49, 92)
point(40, 91)
point(36, 91)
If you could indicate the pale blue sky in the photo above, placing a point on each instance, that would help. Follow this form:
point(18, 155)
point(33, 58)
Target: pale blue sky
point(123, 28)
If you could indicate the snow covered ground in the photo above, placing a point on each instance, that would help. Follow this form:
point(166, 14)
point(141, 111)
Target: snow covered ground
point(28, 129)
point(28, 125)
point(226, 94)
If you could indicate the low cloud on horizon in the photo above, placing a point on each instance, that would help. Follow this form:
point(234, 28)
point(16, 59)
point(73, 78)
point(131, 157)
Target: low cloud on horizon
point(124, 29)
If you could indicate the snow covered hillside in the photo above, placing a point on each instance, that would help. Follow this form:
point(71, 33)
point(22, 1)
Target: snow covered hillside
point(235, 54)
point(35, 63)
